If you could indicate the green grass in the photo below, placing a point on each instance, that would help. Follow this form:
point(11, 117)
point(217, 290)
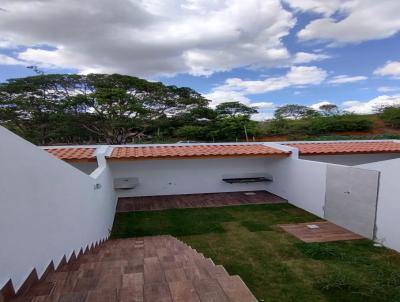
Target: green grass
point(275, 265)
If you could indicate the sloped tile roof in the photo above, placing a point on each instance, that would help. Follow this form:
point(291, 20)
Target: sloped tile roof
point(73, 154)
point(347, 148)
point(193, 151)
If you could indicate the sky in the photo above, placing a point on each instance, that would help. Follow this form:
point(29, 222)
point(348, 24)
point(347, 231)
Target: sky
point(264, 53)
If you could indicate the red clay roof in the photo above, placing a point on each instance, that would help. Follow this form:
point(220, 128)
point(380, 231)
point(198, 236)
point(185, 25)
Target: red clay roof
point(154, 152)
point(346, 148)
point(73, 154)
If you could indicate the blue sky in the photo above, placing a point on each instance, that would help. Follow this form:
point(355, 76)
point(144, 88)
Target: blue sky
point(260, 52)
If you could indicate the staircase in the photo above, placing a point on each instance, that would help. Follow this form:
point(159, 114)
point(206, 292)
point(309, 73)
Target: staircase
point(149, 269)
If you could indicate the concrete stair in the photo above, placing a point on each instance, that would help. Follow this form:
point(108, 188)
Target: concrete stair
point(149, 269)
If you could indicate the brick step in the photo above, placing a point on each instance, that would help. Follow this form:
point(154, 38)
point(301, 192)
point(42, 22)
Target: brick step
point(236, 289)
point(223, 289)
point(160, 268)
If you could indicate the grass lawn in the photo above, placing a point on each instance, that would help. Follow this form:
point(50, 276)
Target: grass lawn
point(275, 265)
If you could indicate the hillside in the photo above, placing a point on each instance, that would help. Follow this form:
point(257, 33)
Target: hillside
point(379, 130)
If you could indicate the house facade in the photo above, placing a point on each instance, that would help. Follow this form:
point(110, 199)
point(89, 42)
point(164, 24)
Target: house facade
point(59, 201)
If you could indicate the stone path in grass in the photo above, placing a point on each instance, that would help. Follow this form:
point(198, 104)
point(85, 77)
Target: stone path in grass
point(319, 231)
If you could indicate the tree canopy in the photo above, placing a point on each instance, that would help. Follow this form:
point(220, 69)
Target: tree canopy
point(294, 111)
point(114, 109)
point(329, 109)
point(107, 108)
point(232, 109)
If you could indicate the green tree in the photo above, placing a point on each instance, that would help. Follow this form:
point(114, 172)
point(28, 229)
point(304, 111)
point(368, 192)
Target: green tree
point(233, 128)
point(294, 111)
point(114, 109)
point(329, 109)
point(391, 116)
point(233, 109)
point(192, 132)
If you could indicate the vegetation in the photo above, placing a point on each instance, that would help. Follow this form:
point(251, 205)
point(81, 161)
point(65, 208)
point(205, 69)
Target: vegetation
point(119, 109)
point(275, 265)
point(391, 116)
point(351, 137)
point(296, 112)
point(316, 125)
point(115, 109)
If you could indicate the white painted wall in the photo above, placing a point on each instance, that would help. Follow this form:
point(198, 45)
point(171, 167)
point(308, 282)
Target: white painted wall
point(48, 208)
point(301, 182)
point(351, 159)
point(388, 210)
point(187, 176)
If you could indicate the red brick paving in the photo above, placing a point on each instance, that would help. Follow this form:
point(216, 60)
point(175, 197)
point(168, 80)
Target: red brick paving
point(149, 269)
point(152, 203)
point(326, 232)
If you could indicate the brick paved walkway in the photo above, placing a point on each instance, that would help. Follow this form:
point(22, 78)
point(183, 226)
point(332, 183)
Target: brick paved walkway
point(151, 203)
point(149, 269)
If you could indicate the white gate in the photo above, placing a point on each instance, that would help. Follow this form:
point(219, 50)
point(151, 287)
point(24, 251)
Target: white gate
point(351, 198)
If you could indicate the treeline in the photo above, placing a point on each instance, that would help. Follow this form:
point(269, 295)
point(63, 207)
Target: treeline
point(115, 109)
point(120, 109)
point(299, 120)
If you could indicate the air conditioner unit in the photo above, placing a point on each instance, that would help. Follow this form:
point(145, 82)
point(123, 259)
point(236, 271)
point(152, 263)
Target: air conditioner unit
point(126, 183)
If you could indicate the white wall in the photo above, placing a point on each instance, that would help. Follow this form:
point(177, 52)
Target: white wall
point(47, 208)
point(388, 210)
point(187, 176)
point(351, 159)
point(301, 182)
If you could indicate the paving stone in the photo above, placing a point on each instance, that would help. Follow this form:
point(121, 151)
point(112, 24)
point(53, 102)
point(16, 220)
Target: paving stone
point(163, 269)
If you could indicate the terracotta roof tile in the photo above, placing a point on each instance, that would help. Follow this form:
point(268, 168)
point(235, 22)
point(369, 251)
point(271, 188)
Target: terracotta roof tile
point(347, 148)
point(151, 152)
point(73, 153)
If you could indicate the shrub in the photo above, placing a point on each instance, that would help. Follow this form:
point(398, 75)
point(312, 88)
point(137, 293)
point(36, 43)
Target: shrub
point(277, 126)
point(191, 132)
point(339, 123)
point(391, 116)
point(319, 125)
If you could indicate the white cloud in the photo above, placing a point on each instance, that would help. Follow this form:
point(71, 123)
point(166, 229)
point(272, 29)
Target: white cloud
point(236, 89)
point(323, 7)
point(265, 109)
point(306, 57)
point(149, 37)
point(360, 20)
point(218, 96)
point(263, 105)
point(7, 60)
point(391, 68)
point(263, 115)
point(386, 89)
point(319, 104)
point(297, 76)
point(342, 79)
point(371, 105)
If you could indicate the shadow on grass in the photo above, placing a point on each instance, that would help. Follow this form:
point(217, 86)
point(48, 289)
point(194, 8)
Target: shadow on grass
point(175, 222)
